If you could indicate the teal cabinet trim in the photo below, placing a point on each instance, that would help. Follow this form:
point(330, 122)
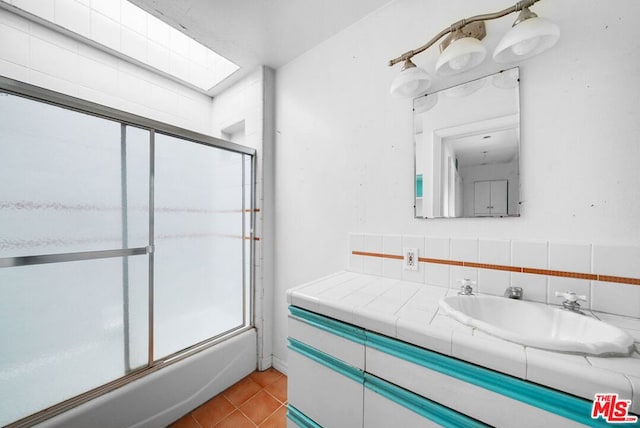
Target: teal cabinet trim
point(327, 360)
point(350, 332)
point(560, 403)
point(422, 406)
point(553, 401)
point(300, 418)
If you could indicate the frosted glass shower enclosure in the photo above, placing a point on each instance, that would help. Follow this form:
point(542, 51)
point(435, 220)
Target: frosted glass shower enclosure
point(124, 244)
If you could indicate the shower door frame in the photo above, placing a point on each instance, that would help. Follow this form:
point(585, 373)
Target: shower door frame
point(35, 93)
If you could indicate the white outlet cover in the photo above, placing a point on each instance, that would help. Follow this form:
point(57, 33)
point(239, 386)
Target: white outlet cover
point(410, 259)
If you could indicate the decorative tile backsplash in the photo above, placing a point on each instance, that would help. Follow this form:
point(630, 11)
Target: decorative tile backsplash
point(608, 275)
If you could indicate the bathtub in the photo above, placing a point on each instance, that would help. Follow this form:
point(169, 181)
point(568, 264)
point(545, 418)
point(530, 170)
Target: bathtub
point(165, 395)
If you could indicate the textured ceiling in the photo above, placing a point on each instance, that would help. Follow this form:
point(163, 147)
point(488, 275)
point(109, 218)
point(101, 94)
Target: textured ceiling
point(255, 32)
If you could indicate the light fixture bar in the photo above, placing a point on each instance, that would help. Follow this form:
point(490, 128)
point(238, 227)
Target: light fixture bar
point(460, 24)
point(476, 30)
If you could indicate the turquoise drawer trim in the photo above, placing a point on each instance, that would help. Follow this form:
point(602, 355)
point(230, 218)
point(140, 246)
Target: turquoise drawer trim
point(553, 401)
point(422, 406)
point(300, 418)
point(327, 360)
point(350, 332)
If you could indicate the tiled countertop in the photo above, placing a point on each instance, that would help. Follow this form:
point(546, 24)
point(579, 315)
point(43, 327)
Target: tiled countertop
point(409, 311)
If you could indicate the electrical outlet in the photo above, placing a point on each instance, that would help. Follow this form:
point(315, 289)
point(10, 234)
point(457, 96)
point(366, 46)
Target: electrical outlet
point(410, 261)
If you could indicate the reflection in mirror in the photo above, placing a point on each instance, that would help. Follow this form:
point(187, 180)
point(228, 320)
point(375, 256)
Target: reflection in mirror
point(467, 149)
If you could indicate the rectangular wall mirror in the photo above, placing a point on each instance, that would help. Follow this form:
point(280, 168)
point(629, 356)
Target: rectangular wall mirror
point(467, 149)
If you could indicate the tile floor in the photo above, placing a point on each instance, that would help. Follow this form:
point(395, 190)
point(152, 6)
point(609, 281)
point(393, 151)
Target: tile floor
point(258, 400)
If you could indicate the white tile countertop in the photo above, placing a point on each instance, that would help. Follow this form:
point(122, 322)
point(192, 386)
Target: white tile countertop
point(409, 311)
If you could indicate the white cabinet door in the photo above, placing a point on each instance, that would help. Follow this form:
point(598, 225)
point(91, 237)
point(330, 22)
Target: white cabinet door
point(490, 198)
point(325, 396)
point(482, 198)
point(499, 197)
point(325, 370)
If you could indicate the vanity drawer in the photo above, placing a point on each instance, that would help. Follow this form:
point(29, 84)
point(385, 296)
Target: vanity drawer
point(388, 405)
point(323, 389)
point(335, 338)
point(482, 394)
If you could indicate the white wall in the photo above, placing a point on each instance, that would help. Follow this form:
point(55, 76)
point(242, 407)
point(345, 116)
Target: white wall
point(344, 152)
point(35, 54)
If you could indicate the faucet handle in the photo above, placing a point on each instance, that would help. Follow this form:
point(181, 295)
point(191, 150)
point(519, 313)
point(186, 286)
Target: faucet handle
point(571, 296)
point(466, 287)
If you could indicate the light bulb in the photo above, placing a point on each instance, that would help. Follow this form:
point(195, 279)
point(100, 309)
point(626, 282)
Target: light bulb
point(412, 86)
point(460, 62)
point(525, 47)
point(461, 55)
point(410, 82)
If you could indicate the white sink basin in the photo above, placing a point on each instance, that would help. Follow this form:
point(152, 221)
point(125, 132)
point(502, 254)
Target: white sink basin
point(538, 325)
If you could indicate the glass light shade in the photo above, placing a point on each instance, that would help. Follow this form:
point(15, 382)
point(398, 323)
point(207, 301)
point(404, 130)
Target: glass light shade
point(461, 55)
point(410, 82)
point(465, 89)
point(426, 103)
point(526, 39)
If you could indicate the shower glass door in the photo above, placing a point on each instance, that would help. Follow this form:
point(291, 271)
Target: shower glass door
point(73, 234)
point(121, 246)
point(199, 243)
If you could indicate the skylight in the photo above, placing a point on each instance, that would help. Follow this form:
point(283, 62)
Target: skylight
point(133, 32)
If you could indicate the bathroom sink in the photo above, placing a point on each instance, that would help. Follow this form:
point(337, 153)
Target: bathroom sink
point(538, 325)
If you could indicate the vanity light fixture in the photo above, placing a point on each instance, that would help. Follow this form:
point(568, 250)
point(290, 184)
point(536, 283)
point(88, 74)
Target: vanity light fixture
point(528, 36)
point(462, 50)
point(411, 80)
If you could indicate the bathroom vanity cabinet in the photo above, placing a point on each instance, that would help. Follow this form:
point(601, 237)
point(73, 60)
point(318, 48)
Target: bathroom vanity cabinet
point(352, 364)
point(329, 386)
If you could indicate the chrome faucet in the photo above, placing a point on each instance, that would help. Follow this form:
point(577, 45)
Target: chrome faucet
point(513, 293)
point(571, 300)
point(466, 287)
